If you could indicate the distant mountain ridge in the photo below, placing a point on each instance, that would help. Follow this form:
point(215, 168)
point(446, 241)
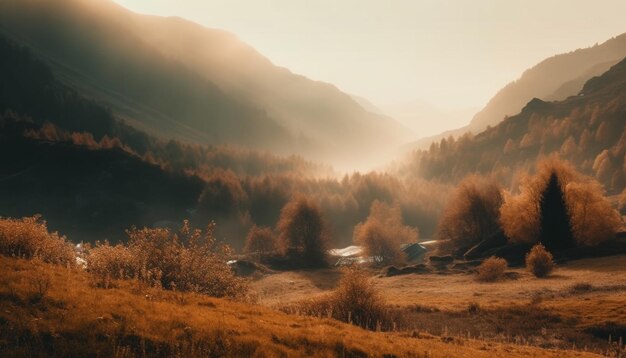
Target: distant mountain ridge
point(554, 78)
point(174, 78)
point(589, 130)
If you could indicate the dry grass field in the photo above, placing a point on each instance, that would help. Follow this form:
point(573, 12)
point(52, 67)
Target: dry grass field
point(48, 310)
point(578, 306)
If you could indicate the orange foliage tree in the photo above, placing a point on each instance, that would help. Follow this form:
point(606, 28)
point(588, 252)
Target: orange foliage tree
point(303, 232)
point(472, 213)
point(590, 217)
point(383, 232)
point(260, 242)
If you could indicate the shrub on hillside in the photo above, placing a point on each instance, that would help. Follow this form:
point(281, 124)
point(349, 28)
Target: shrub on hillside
point(383, 232)
point(355, 301)
point(190, 260)
point(492, 269)
point(260, 242)
point(29, 238)
point(539, 261)
point(303, 232)
point(472, 214)
point(111, 262)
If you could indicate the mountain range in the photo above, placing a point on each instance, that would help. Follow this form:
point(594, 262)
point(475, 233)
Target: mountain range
point(554, 78)
point(175, 79)
point(588, 129)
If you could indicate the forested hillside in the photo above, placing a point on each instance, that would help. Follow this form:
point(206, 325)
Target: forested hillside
point(588, 130)
point(173, 78)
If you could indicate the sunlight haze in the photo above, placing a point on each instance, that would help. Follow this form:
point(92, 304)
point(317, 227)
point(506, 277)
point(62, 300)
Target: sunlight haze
point(451, 54)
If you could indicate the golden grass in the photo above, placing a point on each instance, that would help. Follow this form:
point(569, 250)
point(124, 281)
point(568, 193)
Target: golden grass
point(508, 310)
point(76, 319)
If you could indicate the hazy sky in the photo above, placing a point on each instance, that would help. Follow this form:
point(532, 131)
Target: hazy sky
point(450, 53)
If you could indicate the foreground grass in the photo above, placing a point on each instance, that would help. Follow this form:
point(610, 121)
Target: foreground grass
point(582, 305)
point(48, 310)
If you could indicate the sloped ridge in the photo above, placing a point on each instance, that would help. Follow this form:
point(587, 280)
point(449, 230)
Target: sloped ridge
point(615, 79)
point(589, 130)
point(174, 78)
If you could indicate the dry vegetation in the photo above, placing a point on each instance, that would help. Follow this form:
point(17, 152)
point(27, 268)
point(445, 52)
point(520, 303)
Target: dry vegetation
point(383, 232)
point(29, 238)
point(491, 270)
point(75, 318)
point(472, 213)
point(355, 301)
point(190, 260)
point(156, 302)
point(539, 261)
point(591, 217)
point(579, 306)
point(303, 233)
point(260, 242)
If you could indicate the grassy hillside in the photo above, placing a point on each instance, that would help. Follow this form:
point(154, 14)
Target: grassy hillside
point(55, 311)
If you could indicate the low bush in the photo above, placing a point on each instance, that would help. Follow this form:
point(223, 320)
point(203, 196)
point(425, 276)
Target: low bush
point(539, 261)
point(190, 260)
point(108, 262)
point(492, 269)
point(29, 238)
point(355, 301)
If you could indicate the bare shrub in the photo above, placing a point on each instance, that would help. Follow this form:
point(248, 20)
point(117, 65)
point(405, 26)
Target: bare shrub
point(383, 232)
point(492, 269)
point(303, 232)
point(190, 260)
point(472, 214)
point(108, 262)
point(260, 242)
point(539, 261)
point(29, 237)
point(355, 301)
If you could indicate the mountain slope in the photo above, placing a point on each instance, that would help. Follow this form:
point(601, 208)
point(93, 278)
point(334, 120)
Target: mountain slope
point(178, 79)
point(555, 78)
point(589, 130)
point(545, 78)
point(92, 176)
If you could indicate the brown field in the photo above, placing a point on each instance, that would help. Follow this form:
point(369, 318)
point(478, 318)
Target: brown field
point(49, 310)
point(578, 306)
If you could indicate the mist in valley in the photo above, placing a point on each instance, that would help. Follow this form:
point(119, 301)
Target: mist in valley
point(402, 192)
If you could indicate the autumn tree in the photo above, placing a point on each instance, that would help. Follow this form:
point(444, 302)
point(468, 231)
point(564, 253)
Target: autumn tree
point(560, 208)
point(303, 232)
point(471, 214)
point(260, 242)
point(383, 232)
point(593, 218)
point(222, 195)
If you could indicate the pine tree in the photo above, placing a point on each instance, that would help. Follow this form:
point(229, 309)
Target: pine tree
point(555, 230)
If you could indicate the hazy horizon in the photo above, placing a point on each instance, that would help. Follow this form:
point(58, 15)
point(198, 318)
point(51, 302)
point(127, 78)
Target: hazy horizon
point(450, 55)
